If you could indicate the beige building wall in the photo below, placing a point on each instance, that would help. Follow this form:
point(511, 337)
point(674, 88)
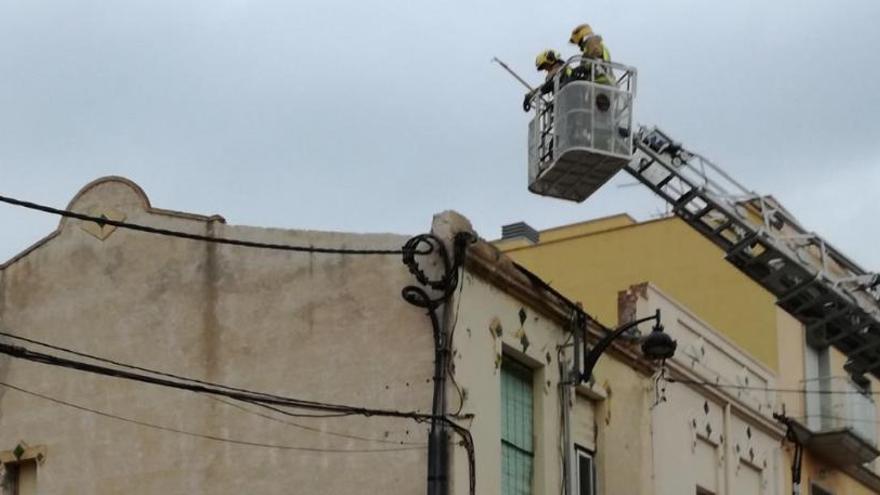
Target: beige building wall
point(489, 331)
point(501, 314)
point(330, 328)
point(623, 416)
point(721, 440)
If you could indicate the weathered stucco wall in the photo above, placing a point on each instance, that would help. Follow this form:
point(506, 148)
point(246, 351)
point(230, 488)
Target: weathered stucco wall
point(493, 326)
point(721, 440)
point(623, 443)
point(328, 328)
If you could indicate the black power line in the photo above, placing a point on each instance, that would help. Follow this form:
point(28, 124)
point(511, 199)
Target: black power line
point(196, 237)
point(250, 397)
point(246, 396)
point(837, 418)
point(768, 389)
point(312, 428)
point(159, 373)
point(204, 436)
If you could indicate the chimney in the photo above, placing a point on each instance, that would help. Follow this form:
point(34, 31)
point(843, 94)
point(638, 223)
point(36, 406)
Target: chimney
point(520, 230)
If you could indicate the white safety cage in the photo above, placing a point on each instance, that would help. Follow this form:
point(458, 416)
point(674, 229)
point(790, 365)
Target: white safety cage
point(581, 133)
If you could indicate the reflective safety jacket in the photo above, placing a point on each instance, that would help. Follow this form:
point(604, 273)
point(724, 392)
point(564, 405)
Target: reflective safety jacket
point(596, 49)
point(547, 87)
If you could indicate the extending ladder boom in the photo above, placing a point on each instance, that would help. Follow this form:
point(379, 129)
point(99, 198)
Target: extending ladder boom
point(837, 300)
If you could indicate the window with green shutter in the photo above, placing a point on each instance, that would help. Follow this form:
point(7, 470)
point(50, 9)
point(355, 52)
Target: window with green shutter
point(517, 449)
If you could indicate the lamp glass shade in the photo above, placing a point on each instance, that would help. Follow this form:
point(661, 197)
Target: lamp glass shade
point(658, 345)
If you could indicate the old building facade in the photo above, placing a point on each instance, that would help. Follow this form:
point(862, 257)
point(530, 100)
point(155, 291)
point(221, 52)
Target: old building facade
point(341, 328)
point(832, 414)
point(332, 328)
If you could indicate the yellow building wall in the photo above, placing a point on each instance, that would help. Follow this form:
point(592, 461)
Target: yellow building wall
point(791, 363)
point(830, 479)
point(584, 228)
point(591, 262)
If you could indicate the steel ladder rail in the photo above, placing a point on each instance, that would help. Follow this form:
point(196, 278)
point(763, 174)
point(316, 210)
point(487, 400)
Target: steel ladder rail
point(831, 314)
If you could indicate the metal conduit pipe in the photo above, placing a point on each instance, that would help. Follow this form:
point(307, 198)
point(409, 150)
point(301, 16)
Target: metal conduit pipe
point(438, 438)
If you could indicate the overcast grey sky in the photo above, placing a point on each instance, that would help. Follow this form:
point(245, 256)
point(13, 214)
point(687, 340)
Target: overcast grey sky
point(372, 116)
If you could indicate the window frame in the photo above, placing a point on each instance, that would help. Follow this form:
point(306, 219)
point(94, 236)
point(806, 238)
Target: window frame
point(9, 485)
point(521, 371)
point(11, 482)
point(817, 489)
point(583, 452)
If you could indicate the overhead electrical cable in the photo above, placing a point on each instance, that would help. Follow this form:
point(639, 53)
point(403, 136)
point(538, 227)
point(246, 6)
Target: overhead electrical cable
point(147, 370)
point(767, 389)
point(836, 418)
point(252, 397)
point(450, 372)
point(204, 436)
point(48, 359)
point(312, 428)
point(197, 237)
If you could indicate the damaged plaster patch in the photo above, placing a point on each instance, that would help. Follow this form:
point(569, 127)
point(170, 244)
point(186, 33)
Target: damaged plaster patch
point(523, 339)
point(496, 328)
point(627, 300)
point(496, 331)
point(608, 393)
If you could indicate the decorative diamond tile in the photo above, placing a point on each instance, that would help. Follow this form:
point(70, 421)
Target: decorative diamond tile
point(101, 230)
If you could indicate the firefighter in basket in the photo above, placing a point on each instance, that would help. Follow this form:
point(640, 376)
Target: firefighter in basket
point(551, 62)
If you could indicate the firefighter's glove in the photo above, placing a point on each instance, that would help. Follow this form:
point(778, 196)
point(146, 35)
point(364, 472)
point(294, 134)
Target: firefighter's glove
point(527, 102)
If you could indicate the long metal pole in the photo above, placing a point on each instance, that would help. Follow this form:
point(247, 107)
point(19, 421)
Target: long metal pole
point(438, 454)
point(512, 73)
point(797, 457)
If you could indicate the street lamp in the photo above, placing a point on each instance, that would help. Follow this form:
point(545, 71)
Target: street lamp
point(655, 346)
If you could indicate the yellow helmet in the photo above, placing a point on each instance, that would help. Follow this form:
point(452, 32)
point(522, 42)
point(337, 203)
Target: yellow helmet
point(546, 59)
point(580, 33)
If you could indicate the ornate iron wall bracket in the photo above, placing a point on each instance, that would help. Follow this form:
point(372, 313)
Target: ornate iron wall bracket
point(442, 288)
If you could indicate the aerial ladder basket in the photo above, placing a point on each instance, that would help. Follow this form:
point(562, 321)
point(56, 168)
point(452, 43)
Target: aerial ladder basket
point(581, 132)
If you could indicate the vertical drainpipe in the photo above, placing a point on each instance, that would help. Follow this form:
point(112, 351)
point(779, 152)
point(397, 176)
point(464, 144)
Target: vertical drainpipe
point(566, 387)
point(729, 461)
point(438, 439)
point(569, 379)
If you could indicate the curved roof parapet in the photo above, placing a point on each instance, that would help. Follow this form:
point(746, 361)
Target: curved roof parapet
point(141, 196)
point(109, 192)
